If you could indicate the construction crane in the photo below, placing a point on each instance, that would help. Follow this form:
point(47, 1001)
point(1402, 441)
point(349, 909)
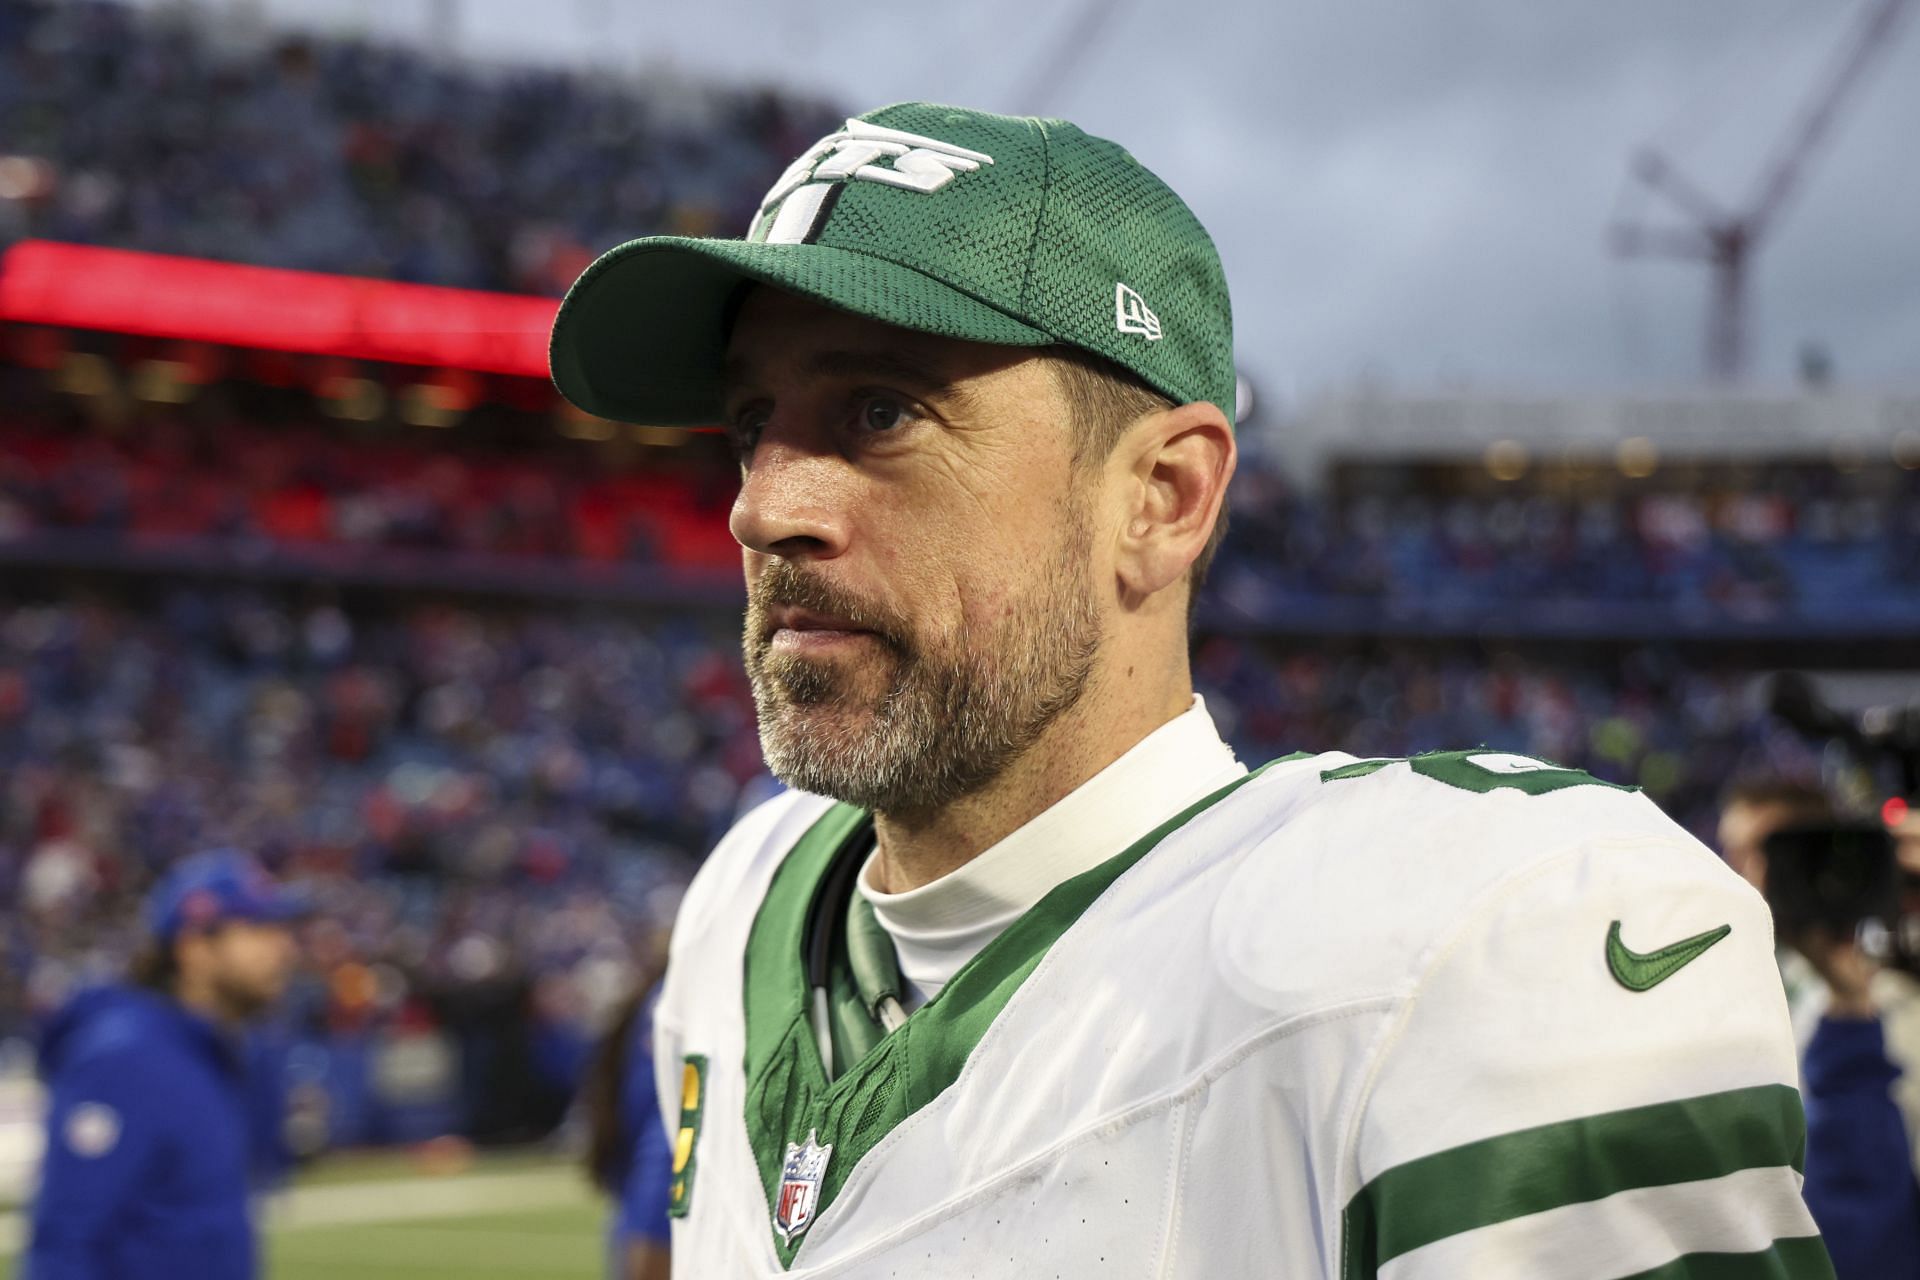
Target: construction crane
point(1727, 239)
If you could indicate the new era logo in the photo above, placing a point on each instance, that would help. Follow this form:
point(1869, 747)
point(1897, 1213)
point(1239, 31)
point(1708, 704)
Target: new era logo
point(1131, 314)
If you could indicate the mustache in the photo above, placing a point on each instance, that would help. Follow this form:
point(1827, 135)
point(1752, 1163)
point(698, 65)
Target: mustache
point(785, 583)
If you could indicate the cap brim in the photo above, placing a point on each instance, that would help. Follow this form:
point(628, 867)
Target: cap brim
point(642, 333)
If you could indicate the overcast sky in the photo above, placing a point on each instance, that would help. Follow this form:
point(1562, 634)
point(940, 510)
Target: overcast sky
point(1411, 192)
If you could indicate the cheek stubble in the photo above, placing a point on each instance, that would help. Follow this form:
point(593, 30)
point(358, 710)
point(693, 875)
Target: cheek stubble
point(918, 724)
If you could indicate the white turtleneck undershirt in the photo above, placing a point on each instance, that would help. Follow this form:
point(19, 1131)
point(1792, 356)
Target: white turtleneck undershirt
point(941, 925)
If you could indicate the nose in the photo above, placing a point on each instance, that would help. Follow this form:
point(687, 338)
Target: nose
point(793, 500)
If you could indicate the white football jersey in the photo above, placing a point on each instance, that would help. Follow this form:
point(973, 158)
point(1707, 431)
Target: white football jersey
point(1465, 1015)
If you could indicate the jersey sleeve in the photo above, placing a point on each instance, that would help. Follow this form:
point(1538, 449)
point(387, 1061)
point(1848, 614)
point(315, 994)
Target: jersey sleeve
point(105, 1132)
point(1591, 1077)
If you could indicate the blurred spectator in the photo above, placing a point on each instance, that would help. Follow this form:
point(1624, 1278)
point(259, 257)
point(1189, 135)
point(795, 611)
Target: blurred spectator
point(1862, 1179)
point(494, 810)
point(629, 1156)
point(151, 1139)
point(1753, 809)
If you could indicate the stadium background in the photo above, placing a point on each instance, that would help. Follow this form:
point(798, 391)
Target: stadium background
point(365, 597)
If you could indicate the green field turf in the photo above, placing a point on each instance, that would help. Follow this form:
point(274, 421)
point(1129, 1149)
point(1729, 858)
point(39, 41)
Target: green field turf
point(564, 1244)
point(464, 1225)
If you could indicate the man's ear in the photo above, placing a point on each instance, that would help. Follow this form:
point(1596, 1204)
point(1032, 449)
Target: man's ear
point(1177, 464)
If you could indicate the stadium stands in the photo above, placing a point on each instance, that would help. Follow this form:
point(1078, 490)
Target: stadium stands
point(1780, 550)
point(155, 132)
point(479, 799)
point(160, 484)
point(1794, 551)
point(243, 620)
point(447, 771)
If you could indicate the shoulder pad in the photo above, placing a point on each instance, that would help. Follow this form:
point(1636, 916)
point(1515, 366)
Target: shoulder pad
point(746, 855)
point(1344, 891)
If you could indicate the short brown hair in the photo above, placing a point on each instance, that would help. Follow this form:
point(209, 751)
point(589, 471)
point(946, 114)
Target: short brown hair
point(156, 966)
point(1105, 400)
point(1804, 801)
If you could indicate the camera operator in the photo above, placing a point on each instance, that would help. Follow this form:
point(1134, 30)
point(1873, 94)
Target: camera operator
point(1859, 1018)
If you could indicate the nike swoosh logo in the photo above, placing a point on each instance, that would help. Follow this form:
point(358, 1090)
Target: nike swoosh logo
point(1642, 971)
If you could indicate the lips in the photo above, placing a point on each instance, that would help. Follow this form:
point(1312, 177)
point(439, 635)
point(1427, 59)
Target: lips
point(786, 617)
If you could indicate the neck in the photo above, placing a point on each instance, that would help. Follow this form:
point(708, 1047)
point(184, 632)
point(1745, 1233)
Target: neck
point(1122, 705)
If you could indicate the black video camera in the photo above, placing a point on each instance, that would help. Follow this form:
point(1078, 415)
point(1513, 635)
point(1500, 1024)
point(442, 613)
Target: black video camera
point(1843, 879)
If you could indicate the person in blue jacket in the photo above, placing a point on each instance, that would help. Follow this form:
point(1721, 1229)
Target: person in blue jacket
point(148, 1146)
point(1860, 1175)
point(628, 1156)
point(1860, 1186)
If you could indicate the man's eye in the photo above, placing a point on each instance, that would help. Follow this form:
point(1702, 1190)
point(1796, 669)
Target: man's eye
point(743, 432)
point(879, 414)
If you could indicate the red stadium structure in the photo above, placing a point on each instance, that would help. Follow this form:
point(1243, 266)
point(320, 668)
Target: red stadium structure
point(155, 295)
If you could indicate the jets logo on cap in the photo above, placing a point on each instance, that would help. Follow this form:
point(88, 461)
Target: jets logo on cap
point(797, 204)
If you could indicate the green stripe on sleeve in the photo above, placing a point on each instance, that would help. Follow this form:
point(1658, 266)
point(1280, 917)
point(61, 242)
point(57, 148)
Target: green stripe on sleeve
point(1796, 1258)
point(1569, 1162)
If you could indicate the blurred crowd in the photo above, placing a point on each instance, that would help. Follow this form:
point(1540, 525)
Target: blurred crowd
point(1793, 543)
point(490, 808)
point(154, 131)
point(1786, 541)
point(481, 793)
point(306, 485)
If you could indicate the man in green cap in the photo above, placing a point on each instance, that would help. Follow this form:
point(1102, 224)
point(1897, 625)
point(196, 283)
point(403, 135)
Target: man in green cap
point(1028, 975)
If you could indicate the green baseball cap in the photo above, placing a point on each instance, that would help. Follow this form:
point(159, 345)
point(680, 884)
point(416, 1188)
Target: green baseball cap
point(1001, 229)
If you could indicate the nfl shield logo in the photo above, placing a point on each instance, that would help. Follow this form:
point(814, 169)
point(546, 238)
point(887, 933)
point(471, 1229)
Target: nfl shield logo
point(800, 1186)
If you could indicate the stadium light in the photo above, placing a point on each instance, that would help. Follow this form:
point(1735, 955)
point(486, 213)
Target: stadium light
point(1506, 460)
point(657, 437)
point(576, 425)
point(25, 178)
point(1638, 457)
point(163, 382)
point(427, 404)
point(355, 399)
point(82, 373)
point(1906, 450)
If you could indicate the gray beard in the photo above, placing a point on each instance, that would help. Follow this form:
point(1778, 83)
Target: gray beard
point(951, 719)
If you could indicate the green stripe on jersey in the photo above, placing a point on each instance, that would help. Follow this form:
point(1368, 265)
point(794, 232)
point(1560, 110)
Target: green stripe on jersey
point(1569, 1162)
point(1794, 1258)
